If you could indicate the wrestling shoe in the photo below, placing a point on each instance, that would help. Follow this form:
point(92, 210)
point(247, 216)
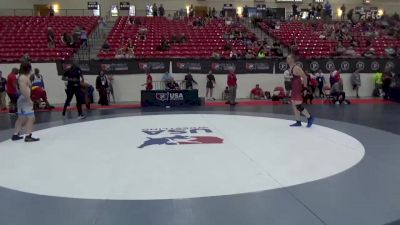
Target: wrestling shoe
point(310, 121)
point(16, 137)
point(29, 138)
point(297, 124)
point(81, 117)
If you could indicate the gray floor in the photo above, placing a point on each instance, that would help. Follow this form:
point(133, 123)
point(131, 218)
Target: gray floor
point(368, 193)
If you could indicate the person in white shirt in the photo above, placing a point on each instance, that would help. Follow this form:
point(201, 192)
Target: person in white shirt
point(287, 79)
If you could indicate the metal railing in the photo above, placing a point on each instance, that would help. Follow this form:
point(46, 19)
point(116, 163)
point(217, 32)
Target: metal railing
point(82, 12)
point(31, 12)
point(160, 85)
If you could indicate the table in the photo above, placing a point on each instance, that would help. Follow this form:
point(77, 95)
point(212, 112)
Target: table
point(169, 98)
point(395, 94)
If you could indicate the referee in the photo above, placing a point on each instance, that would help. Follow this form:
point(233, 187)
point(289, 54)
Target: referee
point(74, 77)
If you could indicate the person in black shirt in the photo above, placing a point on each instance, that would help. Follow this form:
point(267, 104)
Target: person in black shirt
point(3, 83)
point(210, 85)
point(102, 87)
point(74, 77)
point(189, 81)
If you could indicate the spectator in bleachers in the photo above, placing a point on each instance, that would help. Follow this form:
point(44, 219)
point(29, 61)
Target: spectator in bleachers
point(84, 37)
point(191, 10)
point(350, 52)
point(120, 54)
point(155, 9)
point(249, 54)
point(189, 81)
point(294, 11)
point(131, 20)
point(350, 14)
point(105, 47)
point(51, 10)
point(76, 36)
point(102, 87)
point(257, 93)
point(356, 81)
point(12, 90)
point(182, 38)
point(142, 33)
point(130, 47)
point(343, 9)
point(233, 55)
point(261, 54)
point(340, 49)
point(215, 55)
point(328, 9)
point(25, 58)
point(370, 53)
point(390, 51)
point(164, 44)
point(102, 25)
point(214, 12)
point(51, 42)
point(3, 93)
point(311, 11)
point(67, 39)
point(319, 10)
point(161, 10)
point(38, 90)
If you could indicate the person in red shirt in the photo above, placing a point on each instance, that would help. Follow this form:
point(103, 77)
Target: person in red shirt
point(257, 93)
point(12, 90)
point(232, 85)
point(149, 82)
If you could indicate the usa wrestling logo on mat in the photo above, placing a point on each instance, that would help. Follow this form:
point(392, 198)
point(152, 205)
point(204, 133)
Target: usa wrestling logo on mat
point(180, 136)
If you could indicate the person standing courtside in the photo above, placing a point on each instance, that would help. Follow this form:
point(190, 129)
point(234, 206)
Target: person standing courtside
point(3, 83)
point(189, 81)
point(210, 85)
point(26, 115)
point(74, 78)
point(12, 90)
point(232, 85)
point(299, 81)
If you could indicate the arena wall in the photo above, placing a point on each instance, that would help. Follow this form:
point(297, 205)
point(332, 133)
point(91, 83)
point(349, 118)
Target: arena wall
point(128, 87)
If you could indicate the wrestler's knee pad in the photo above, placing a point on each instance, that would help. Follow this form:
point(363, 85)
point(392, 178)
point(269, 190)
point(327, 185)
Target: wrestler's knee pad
point(300, 107)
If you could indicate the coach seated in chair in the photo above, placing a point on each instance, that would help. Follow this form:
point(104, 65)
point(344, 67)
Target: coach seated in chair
point(338, 93)
point(172, 85)
point(257, 93)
